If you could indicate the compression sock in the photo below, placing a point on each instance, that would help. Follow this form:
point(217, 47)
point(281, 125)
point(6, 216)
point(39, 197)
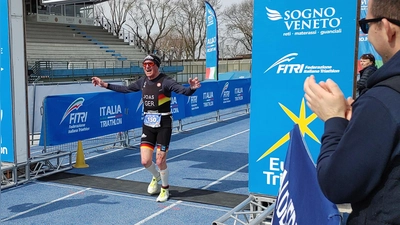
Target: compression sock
point(153, 170)
point(164, 178)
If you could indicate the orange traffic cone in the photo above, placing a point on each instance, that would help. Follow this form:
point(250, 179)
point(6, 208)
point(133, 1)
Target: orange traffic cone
point(80, 157)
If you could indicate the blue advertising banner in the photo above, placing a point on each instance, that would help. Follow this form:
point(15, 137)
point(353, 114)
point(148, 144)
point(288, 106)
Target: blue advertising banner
point(299, 193)
point(79, 117)
point(234, 93)
point(134, 104)
point(6, 113)
point(304, 38)
point(178, 106)
point(69, 118)
point(364, 47)
point(204, 100)
point(211, 43)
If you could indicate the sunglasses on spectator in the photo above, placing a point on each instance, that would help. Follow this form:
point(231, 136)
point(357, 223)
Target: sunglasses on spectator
point(364, 23)
point(368, 56)
point(148, 64)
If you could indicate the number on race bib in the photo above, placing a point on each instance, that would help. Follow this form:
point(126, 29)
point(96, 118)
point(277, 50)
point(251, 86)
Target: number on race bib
point(152, 120)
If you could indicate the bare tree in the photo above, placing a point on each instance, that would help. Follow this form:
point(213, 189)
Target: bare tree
point(190, 24)
point(172, 46)
point(238, 21)
point(150, 22)
point(117, 11)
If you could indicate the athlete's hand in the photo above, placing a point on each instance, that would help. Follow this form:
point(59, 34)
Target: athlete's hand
point(98, 82)
point(194, 83)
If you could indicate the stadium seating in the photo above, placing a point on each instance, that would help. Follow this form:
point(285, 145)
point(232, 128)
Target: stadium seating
point(78, 46)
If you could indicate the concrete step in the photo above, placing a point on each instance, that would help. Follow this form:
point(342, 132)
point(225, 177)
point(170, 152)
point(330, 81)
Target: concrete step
point(66, 47)
point(69, 41)
point(93, 54)
point(71, 48)
point(107, 43)
point(39, 25)
point(61, 42)
point(48, 30)
point(92, 32)
point(85, 65)
point(81, 60)
point(59, 35)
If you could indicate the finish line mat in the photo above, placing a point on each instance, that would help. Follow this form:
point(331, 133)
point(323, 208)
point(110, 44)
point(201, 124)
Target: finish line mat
point(208, 197)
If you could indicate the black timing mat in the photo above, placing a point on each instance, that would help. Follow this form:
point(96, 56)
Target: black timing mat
point(224, 199)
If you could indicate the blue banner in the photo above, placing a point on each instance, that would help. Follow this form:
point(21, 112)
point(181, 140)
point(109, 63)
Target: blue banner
point(300, 199)
point(233, 93)
point(6, 112)
point(204, 100)
point(178, 106)
point(364, 47)
point(211, 43)
point(134, 104)
point(291, 41)
point(79, 117)
point(69, 118)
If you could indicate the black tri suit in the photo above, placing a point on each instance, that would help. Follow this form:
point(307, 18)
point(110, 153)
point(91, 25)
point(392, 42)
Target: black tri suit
point(156, 97)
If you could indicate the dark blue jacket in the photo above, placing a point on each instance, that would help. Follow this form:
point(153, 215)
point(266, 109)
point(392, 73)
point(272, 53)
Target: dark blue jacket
point(364, 75)
point(359, 162)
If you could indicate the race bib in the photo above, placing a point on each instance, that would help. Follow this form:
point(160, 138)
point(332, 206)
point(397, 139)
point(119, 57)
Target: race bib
point(152, 120)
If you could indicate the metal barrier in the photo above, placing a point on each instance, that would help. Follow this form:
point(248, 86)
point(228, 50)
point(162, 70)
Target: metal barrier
point(255, 210)
point(53, 159)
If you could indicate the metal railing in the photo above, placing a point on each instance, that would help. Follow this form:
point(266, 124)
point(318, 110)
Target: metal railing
point(51, 70)
point(125, 34)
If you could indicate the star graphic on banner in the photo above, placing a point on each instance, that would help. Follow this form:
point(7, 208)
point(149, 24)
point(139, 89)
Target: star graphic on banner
point(303, 123)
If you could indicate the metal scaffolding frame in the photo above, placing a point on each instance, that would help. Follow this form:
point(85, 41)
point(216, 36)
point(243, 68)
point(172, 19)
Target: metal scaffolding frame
point(35, 167)
point(255, 210)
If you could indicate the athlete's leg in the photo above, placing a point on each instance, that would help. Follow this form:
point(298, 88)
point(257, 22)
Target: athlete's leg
point(148, 141)
point(162, 165)
point(147, 144)
point(163, 140)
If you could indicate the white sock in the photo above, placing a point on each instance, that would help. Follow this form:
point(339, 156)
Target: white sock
point(164, 177)
point(153, 170)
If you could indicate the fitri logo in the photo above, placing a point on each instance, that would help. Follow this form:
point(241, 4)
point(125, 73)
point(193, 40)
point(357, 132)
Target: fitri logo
point(287, 68)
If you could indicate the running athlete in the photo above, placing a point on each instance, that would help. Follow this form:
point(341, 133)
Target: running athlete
point(156, 90)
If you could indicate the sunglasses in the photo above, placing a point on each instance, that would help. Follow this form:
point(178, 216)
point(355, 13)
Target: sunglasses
point(364, 23)
point(368, 56)
point(148, 64)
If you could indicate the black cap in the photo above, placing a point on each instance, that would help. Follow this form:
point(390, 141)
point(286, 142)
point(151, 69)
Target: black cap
point(153, 58)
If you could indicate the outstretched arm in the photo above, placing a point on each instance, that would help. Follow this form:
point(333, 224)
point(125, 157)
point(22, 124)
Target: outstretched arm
point(194, 83)
point(119, 88)
point(99, 82)
point(174, 86)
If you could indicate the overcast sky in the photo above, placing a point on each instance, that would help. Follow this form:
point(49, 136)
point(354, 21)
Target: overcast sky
point(229, 2)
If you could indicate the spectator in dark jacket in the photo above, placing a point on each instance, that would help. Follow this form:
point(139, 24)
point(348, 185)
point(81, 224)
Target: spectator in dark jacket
point(359, 162)
point(368, 67)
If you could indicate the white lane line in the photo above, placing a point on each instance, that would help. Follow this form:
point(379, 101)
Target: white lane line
point(67, 196)
point(158, 213)
point(43, 205)
point(211, 184)
point(132, 196)
point(176, 133)
point(224, 177)
point(185, 153)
